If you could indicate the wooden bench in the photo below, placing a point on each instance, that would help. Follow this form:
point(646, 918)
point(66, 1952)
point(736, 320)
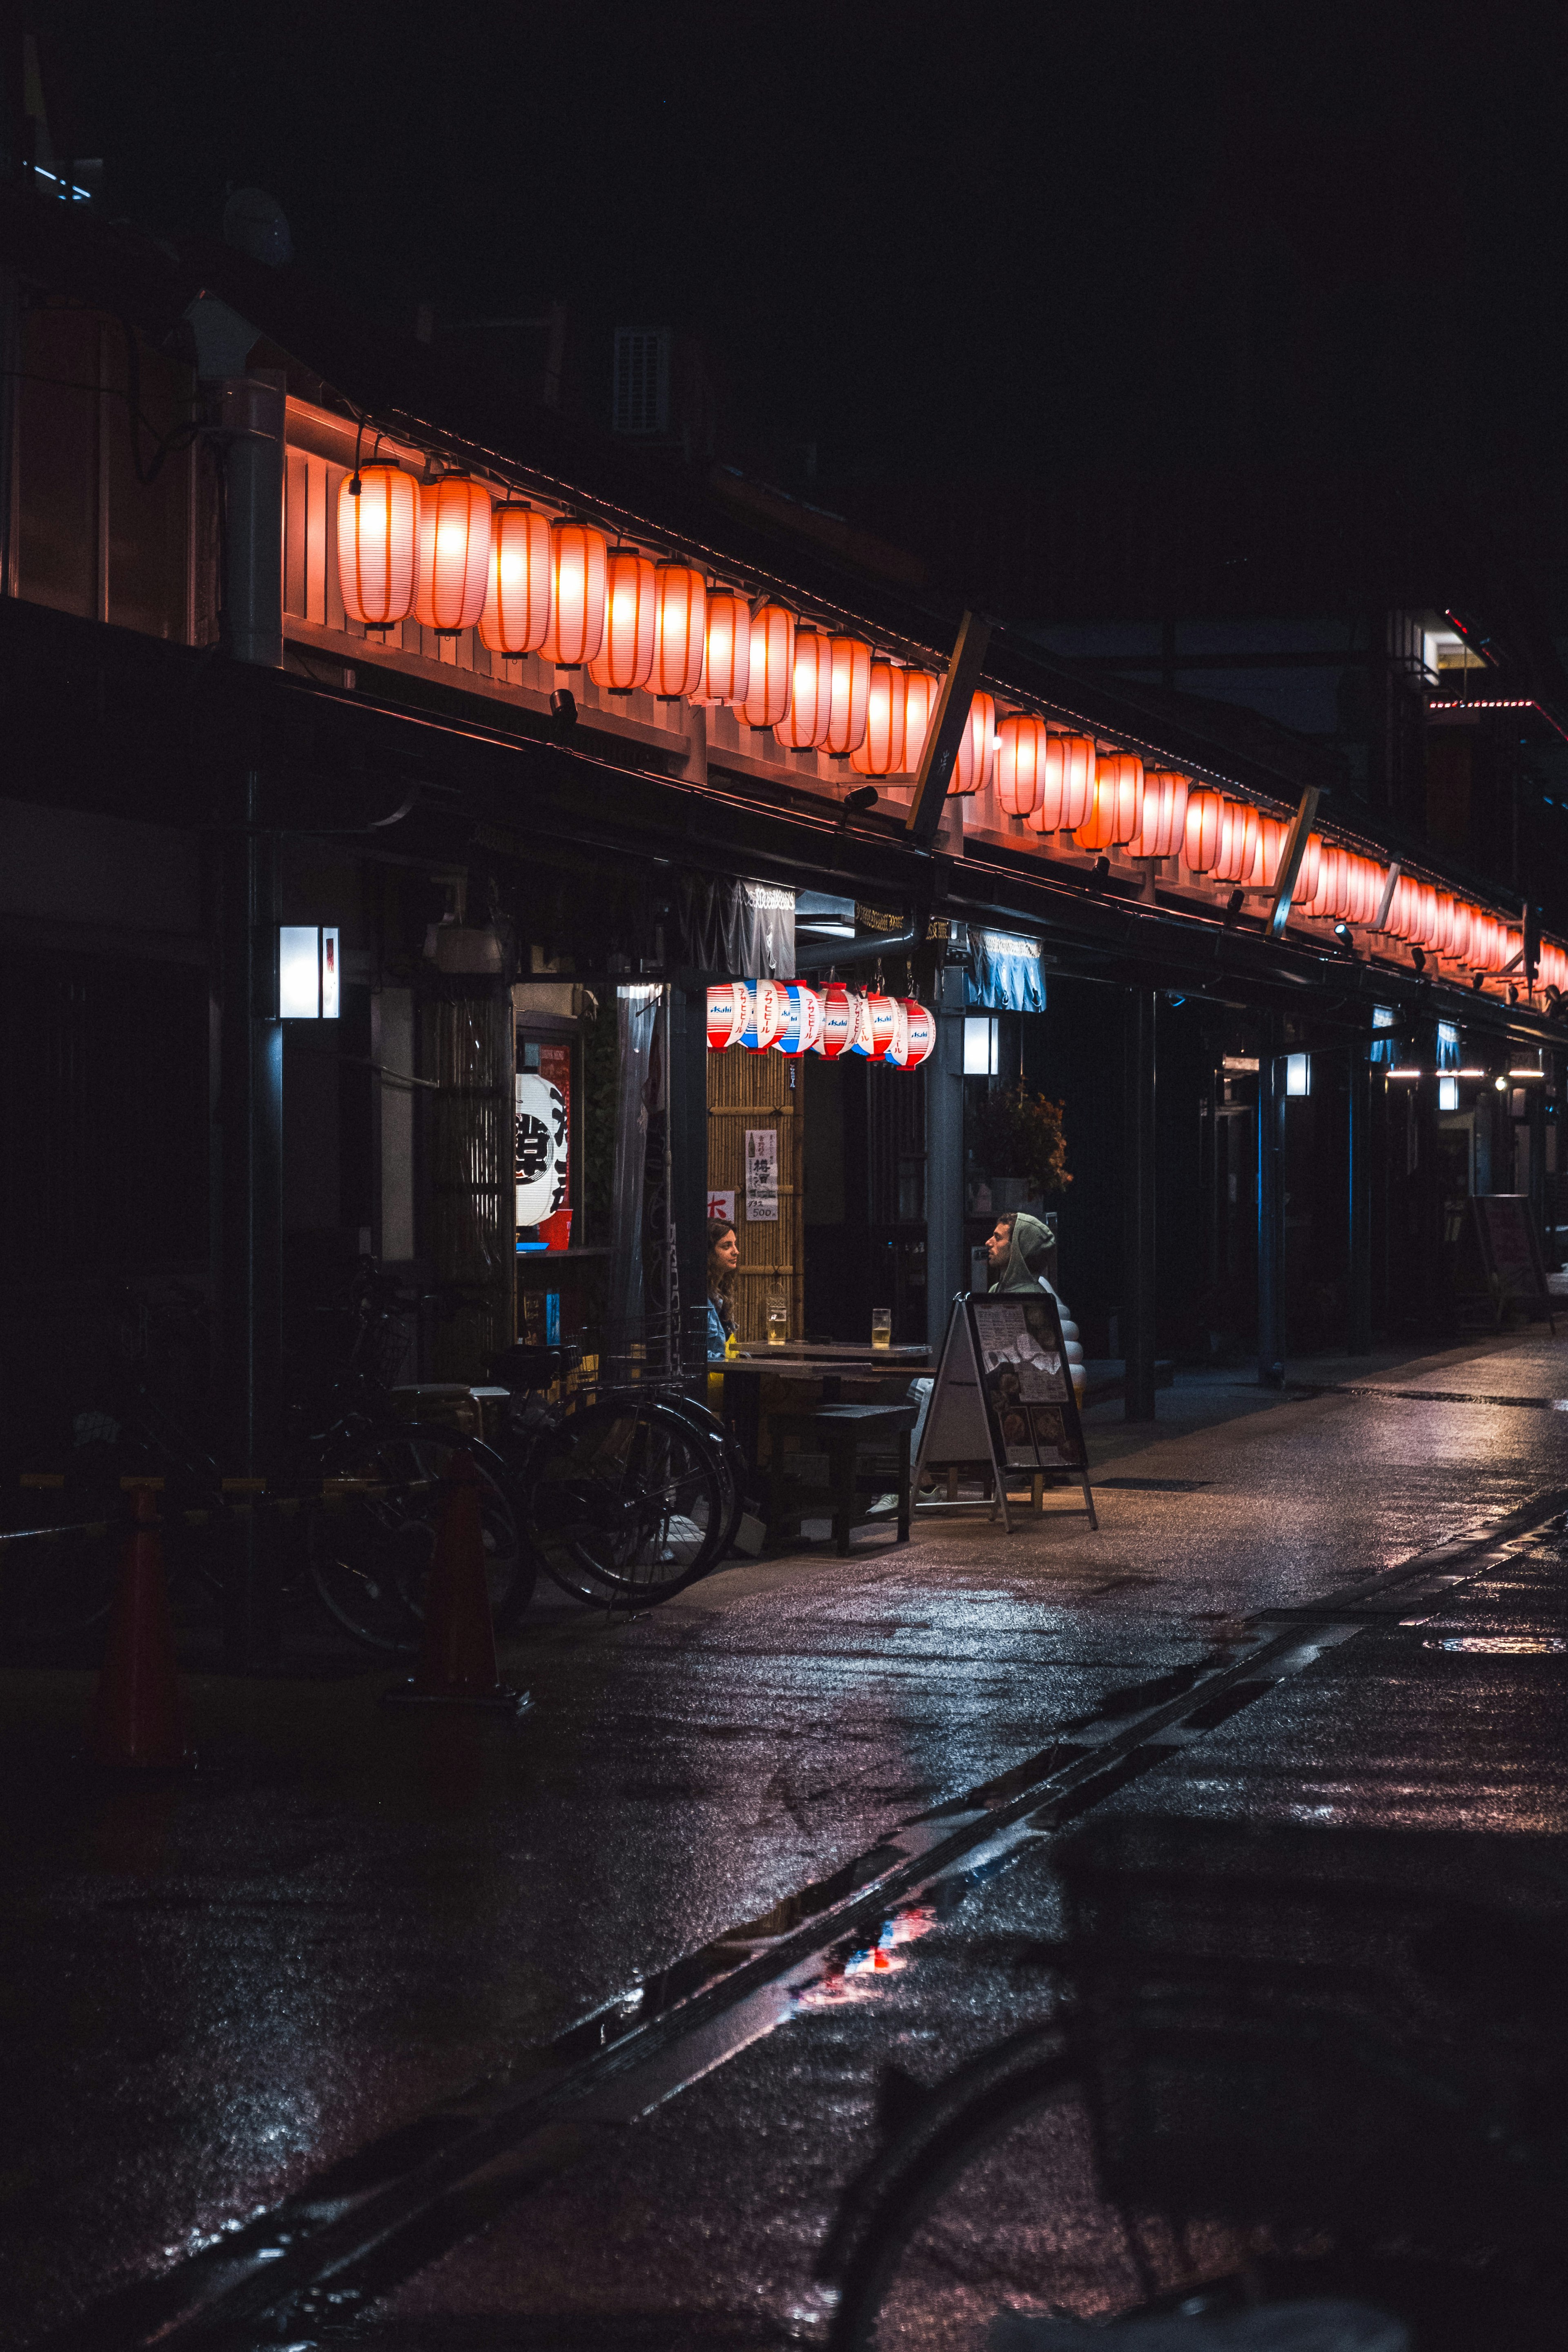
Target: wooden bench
point(835, 1435)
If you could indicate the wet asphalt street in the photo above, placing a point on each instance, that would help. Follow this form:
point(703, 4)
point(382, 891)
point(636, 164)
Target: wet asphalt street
point(415, 2032)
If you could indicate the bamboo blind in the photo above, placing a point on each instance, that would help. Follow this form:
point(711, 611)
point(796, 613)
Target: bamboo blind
point(755, 1090)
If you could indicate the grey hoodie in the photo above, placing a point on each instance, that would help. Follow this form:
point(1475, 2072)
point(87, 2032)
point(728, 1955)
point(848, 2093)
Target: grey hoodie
point(1030, 1242)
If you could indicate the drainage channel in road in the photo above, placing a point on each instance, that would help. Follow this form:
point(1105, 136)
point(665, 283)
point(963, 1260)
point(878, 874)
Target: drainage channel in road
point(344, 2240)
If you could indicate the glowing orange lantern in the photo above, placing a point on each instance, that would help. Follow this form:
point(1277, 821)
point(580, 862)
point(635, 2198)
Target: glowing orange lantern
point(516, 617)
point(1306, 889)
point(976, 748)
point(921, 688)
point(1271, 834)
point(1327, 903)
point(579, 571)
point(1021, 742)
point(624, 658)
point(881, 748)
point(771, 666)
point(1162, 816)
point(378, 542)
point(727, 649)
point(1115, 805)
point(454, 553)
point(848, 689)
point(1237, 842)
point(1201, 834)
point(680, 630)
point(804, 727)
point(1066, 781)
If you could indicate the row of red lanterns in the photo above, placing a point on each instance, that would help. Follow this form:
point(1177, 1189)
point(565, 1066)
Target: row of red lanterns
point(787, 1017)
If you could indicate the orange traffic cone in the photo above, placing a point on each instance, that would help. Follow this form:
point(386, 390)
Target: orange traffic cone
point(137, 1719)
point(458, 1653)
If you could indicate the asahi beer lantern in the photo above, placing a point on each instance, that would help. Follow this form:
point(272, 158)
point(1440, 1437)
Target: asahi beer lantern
point(921, 1032)
point(860, 1038)
point(726, 1013)
point(802, 1020)
point(765, 1015)
point(883, 1015)
point(837, 1021)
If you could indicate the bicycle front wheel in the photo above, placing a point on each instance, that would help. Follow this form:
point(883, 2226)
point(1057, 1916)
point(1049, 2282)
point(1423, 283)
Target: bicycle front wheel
point(371, 1545)
point(623, 1504)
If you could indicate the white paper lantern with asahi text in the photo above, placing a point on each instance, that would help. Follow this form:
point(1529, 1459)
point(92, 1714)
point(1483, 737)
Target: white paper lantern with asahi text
point(802, 1024)
point(378, 545)
point(454, 555)
point(920, 1031)
point(516, 615)
point(922, 687)
point(880, 751)
point(1065, 779)
point(727, 1009)
point(976, 748)
point(624, 658)
point(764, 1015)
point(804, 727)
point(726, 648)
point(679, 626)
point(861, 1040)
point(848, 690)
point(837, 1022)
point(579, 567)
point(773, 667)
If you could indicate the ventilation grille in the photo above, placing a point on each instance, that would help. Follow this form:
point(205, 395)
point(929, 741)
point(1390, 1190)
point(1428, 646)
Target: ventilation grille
point(641, 402)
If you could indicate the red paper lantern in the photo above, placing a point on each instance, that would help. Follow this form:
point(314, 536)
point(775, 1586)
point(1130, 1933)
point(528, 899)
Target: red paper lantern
point(770, 666)
point(1066, 781)
point(1021, 742)
point(1237, 842)
point(880, 751)
point(861, 1040)
point(1306, 889)
point(1164, 814)
point(727, 649)
point(848, 690)
point(882, 1020)
point(624, 658)
point(579, 569)
point(727, 1007)
point(976, 748)
point(1201, 834)
point(679, 631)
point(837, 1021)
point(454, 553)
point(804, 727)
point(378, 545)
point(922, 687)
point(516, 617)
point(1115, 802)
point(921, 1032)
point(1272, 832)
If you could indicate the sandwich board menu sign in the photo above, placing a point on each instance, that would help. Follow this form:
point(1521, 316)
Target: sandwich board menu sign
point(1004, 1395)
point(1511, 1252)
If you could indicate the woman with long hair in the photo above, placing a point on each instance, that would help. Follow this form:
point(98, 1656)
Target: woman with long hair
point(723, 1257)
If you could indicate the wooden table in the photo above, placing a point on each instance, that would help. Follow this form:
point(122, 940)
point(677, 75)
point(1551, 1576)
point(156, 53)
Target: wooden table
point(818, 1372)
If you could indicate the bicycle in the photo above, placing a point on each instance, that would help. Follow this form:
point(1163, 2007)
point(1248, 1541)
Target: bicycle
point(1261, 2089)
point(623, 1496)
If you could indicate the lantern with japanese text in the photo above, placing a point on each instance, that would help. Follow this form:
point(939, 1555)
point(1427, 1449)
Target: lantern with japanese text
point(679, 631)
point(922, 687)
point(765, 1015)
point(804, 727)
point(882, 1015)
point(861, 1040)
point(624, 658)
point(880, 751)
point(516, 617)
point(727, 1010)
point(1021, 742)
point(770, 666)
point(848, 690)
point(579, 567)
point(1065, 779)
point(378, 545)
point(727, 649)
point(1164, 814)
point(976, 748)
point(1115, 802)
point(454, 553)
point(921, 1032)
point(801, 1023)
point(837, 1022)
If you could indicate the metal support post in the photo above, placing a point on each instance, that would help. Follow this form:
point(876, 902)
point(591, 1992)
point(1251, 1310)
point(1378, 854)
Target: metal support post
point(946, 1272)
point(1138, 1289)
point(689, 1147)
point(1433, 1290)
point(1270, 1207)
point(1358, 1175)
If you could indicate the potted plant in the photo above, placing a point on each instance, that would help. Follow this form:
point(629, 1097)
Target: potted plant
point(1020, 1142)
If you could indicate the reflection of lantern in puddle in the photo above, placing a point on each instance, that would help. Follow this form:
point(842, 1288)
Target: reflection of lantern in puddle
point(727, 1008)
point(764, 1015)
point(837, 1021)
point(802, 1023)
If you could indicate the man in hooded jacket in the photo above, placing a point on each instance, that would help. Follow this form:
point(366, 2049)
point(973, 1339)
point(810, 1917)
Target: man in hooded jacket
point(1019, 1252)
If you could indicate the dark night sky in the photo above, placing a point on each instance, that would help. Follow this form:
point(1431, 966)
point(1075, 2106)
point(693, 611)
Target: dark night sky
point(977, 241)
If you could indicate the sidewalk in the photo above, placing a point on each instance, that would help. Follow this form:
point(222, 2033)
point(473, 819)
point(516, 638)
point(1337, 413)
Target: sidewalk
point(232, 1979)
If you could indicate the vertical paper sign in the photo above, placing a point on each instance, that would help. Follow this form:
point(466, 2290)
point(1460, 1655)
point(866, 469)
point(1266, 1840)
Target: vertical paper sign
point(722, 1208)
point(762, 1176)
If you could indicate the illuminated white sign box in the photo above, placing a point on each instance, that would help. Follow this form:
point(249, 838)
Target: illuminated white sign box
point(309, 972)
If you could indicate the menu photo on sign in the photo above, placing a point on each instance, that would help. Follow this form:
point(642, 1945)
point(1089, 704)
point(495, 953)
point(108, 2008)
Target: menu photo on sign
point(762, 1176)
point(1025, 1377)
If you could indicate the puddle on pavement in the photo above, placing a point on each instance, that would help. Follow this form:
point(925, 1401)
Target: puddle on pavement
point(1501, 1645)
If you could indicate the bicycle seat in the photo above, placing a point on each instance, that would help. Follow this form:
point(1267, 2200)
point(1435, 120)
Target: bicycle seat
point(528, 1367)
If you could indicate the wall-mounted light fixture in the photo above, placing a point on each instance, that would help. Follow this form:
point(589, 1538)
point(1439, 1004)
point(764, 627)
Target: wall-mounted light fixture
point(1298, 1073)
point(979, 1045)
point(1448, 1094)
point(309, 972)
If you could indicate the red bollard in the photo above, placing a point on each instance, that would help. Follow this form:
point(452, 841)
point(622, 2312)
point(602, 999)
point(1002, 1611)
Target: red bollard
point(137, 1720)
point(458, 1653)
